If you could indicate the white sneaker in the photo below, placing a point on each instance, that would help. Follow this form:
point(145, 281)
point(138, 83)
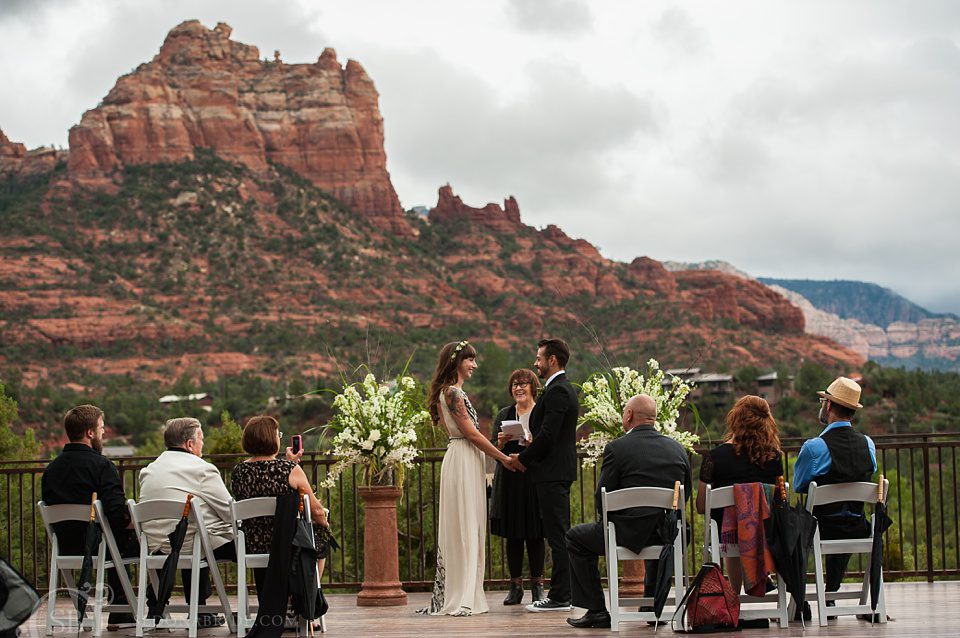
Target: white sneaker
point(549, 605)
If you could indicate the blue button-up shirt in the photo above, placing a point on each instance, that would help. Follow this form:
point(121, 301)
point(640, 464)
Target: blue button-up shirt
point(814, 458)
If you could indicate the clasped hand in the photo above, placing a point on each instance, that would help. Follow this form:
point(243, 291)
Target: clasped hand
point(513, 464)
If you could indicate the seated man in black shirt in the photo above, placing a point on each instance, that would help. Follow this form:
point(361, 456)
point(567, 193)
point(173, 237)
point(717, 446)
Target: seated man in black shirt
point(73, 477)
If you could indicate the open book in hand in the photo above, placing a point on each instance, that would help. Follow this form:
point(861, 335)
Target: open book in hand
point(513, 428)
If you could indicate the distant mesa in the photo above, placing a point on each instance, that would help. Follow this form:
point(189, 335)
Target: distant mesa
point(206, 91)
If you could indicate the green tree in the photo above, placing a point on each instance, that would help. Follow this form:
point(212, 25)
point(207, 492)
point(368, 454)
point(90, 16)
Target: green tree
point(226, 438)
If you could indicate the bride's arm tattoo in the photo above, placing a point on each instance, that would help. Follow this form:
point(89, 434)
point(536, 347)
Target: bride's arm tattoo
point(456, 404)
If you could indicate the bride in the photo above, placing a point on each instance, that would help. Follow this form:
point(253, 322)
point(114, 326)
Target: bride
point(458, 587)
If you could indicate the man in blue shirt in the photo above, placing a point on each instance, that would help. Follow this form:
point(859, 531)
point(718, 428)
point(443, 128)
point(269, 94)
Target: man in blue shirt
point(839, 455)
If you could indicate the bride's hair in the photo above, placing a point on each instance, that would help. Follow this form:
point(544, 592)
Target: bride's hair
point(446, 373)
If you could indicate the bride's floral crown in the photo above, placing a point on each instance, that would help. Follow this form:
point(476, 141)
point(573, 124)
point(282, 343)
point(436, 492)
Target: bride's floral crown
point(456, 351)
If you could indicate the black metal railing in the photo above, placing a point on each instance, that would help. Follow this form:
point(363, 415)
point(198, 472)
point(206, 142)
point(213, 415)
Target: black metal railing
point(924, 541)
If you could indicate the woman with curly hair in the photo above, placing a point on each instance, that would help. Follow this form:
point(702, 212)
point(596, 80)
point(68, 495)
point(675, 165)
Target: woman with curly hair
point(750, 454)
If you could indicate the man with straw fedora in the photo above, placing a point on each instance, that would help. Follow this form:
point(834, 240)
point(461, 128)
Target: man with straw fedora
point(839, 455)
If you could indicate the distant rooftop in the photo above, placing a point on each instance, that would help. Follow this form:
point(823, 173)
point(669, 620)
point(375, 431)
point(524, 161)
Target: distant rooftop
point(173, 398)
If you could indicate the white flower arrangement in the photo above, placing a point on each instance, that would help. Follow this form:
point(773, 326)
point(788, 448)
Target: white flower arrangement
point(604, 394)
point(376, 429)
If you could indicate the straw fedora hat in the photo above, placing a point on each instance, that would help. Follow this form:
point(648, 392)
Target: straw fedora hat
point(843, 391)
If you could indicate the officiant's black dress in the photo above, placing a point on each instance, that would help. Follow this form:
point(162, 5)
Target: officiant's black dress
point(514, 510)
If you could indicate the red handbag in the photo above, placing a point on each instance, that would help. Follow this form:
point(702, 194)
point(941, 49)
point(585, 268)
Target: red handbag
point(709, 604)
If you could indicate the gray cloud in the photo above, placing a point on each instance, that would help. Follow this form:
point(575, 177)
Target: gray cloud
point(550, 16)
point(676, 28)
point(546, 146)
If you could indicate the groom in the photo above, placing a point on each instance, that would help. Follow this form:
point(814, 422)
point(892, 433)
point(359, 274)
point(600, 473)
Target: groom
point(552, 459)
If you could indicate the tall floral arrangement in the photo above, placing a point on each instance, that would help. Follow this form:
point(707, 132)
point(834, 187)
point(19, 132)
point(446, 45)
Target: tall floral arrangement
point(376, 426)
point(605, 393)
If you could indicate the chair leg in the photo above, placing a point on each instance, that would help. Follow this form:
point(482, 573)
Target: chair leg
point(195, 587)
point(243, 607)
point(98, 591)
point(323, 624)
point(782, 607)
point(882, 602)
point(818, 571)
point(52, 592)
point(142, 589)
point(612, 582)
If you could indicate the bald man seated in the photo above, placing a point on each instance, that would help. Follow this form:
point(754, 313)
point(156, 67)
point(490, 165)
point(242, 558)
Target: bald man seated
point(640, 458)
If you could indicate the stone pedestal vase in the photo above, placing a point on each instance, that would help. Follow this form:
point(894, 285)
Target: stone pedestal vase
point(381, 564)
point(631, 583)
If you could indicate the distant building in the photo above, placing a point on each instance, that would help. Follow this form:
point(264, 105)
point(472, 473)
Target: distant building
point(203, 399)
point(119, 451)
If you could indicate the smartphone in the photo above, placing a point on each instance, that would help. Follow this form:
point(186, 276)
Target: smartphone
point(296, 443)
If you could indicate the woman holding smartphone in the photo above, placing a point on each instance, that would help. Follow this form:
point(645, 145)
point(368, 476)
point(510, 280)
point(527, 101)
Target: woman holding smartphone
point(263, 474)
point(514, 511)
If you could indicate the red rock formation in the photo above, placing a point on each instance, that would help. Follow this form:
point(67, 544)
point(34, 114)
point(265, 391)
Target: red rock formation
point(203, 90)
point(451, 207)
point(15, 159)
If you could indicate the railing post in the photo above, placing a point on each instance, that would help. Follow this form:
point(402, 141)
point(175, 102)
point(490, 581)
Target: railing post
point(926, 508)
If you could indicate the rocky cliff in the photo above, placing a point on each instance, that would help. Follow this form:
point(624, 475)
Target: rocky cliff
point(204, 90)
point(207, 224)
point(928, 343)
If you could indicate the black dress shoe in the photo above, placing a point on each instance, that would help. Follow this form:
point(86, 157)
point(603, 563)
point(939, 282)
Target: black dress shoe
point(536, 592)
point(591, 620)
point(515, 595)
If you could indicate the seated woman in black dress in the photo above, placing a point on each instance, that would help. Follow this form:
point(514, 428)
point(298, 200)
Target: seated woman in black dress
point(263, 474)
point(514, 510)
point(750, 454)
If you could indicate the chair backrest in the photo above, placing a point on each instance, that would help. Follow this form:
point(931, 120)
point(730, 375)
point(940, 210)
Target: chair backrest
point(629, 497)
point(862, 491)
point(251, 508)
point(51, 514)
point(719, 497)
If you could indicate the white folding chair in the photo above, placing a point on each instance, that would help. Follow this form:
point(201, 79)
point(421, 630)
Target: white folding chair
point(823, 495)
point(63, 565)
point(241, 511)
point(640, 497)
point(193, 557)
point(714, 550)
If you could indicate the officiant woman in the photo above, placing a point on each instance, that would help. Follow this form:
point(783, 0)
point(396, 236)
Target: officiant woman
point(514, 511)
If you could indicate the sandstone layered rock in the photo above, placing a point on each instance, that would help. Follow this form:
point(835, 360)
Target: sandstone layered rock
point(931, 339)
point(16, 160)
point(451, 207)
point(206, 91)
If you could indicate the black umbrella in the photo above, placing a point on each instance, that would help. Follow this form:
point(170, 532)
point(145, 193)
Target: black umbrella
point(303, 570)
point(168, 573)
point(18, 598)
point(881, 523)
point(665, 571)
point(91, 542)
point(789, 537)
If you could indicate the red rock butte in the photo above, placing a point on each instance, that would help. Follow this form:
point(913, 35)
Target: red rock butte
point(206, 91)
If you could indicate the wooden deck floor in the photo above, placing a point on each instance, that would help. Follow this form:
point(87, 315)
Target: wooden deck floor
point(917, 609)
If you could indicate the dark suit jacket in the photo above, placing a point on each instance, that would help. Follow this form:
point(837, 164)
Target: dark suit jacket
point(641, 458)
point(553, 423)
point(72, 478)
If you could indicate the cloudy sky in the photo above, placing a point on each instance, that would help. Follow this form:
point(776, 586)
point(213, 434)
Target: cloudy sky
point(815, 139)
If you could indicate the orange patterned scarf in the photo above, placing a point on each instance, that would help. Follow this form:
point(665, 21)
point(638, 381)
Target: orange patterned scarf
point(743, 526)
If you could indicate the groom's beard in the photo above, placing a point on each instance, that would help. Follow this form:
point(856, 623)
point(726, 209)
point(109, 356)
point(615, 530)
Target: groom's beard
point(97, 445)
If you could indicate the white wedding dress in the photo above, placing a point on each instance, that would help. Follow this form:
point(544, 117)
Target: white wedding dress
point(462, 523)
